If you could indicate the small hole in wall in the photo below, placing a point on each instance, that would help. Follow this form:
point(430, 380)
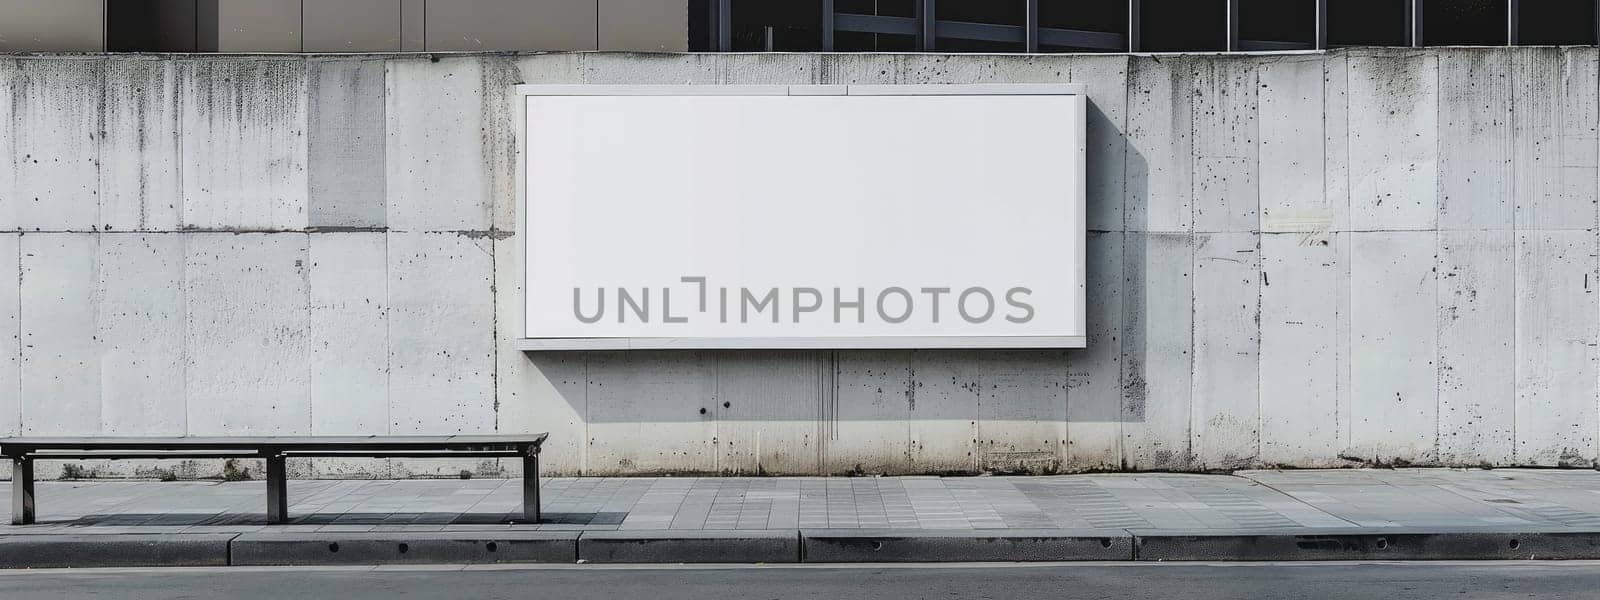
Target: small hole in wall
point(492, 547)
point(404, 548)
point(334, 547)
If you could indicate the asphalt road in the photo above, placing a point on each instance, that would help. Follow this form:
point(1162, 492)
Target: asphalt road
point(1299, 581)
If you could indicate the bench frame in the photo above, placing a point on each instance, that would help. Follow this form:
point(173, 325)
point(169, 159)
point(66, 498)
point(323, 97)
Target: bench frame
point(23, 452)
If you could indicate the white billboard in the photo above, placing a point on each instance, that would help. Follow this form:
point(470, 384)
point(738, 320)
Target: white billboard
point(803, 216)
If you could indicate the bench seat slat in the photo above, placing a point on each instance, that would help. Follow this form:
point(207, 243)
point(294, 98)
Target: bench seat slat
point(132, 454)
point(284, 443)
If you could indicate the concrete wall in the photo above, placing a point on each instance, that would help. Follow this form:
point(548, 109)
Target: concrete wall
point(1363, 256)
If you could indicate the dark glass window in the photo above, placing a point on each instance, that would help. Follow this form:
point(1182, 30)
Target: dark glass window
point(856, 41)
point(789, 26)
point(1277, 24)
point(1087, 16)
point(964, 24)
point(1183, 25)
point(1367, 22)
point(150, 26)
point(1552, 22)
point(1464, 22)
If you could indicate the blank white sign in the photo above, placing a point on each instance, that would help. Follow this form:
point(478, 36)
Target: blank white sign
point(814, 217)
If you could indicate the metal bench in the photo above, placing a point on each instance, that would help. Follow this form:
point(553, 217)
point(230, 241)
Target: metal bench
point(23, 451)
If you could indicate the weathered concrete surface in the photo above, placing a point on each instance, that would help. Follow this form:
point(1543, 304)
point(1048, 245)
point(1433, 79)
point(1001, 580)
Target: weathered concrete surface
point(1312, 259)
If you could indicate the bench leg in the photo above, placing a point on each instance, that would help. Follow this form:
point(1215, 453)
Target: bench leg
point(21, 491)
point(277, 490)
point(530, 488)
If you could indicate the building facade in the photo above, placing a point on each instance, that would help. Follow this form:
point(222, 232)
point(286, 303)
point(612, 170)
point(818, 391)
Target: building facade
point(1316, 258)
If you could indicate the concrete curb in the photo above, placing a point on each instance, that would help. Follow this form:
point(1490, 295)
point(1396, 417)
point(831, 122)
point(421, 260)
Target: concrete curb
point(1366, 544)
point(89, 550)
point(114, 550)
point(405, 547)
point(676, 546)
point(1009, 545)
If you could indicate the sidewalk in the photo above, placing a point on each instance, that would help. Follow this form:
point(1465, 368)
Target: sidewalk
point(1252, 515)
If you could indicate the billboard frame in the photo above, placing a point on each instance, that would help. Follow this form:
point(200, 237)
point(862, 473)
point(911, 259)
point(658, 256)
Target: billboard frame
point(523, 343)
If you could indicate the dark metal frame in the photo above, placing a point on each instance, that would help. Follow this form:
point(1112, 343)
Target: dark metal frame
point(927, 28)
point(23, 452)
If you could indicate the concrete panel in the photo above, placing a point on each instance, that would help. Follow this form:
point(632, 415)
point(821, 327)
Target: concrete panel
point(849, 68)
point(56, 144)
point(1094, 373)
point(695, 69)
point(1300, 284)
point(352, 26)
point(1556, 418)
point(1157, 340)
point(544, 392)
point(140, 324)
point(1225, 417)
point(1553, 136)
point(1160, 159)
point(769, 68)
point(54, 26)
point(1343, 243)
point(1393, 139)
point(258, 26)
point(502, 120)
point(1474, 138)
point(953, 68)
point(247, 336)
point(1225, 185)
point(767, 408)
point(441, 334)
point(535, 391)
point(1022, 411)
point(497, 25)
point(433, 155)
point(1393, 382)
point(10, 335)
point(643, 25)
point(942, 411)
point(651, 412)
point(864, 421)
point(349, 333)
point(1291, 152)
point(60, 352)
point(1477, 357)
point(139, 186)
point(1106, 80)
point(345, 143)
point(1336, 135)
point(551, 68)
point(243, 143)
point(8, 143)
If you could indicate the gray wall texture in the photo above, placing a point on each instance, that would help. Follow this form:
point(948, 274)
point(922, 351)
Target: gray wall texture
point(1311, 259)
point(366, 25)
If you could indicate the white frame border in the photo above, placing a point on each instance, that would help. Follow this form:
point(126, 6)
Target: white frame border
point(910, 342)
